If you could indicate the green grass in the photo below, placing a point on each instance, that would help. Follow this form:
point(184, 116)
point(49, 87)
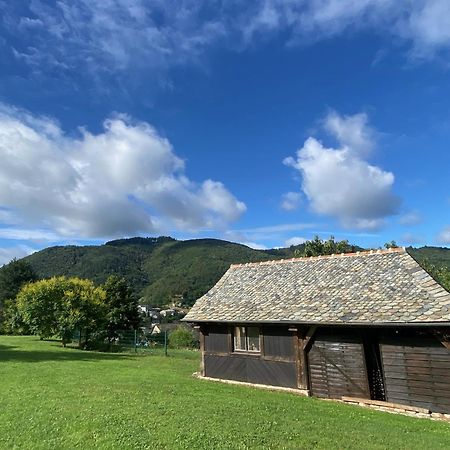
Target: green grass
point(55, 398)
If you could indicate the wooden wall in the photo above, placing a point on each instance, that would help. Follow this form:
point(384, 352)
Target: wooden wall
point(412, 367)
point(217, 339)
point(417, 372)
point(251, 369)
point(275, 365)
point(337, 366)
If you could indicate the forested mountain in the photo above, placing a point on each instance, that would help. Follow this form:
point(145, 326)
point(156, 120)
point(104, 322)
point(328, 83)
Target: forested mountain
point(163, 269)
point(438, 256)
point(160, 269)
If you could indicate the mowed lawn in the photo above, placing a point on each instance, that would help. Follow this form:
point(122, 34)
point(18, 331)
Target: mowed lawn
point(56, 398)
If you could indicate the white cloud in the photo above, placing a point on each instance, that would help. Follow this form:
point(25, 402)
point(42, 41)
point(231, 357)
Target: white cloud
point(410, 218)
point(111, 36)
point(444, 236)
point(352, 132)
point(122, 181)
point(340, 182)
point(254, 245)
point(20, 234)
point(282, 227)
point(295, 240)
point(412, 239)
point(290, 201)
point(9, 253)
point(265, 237)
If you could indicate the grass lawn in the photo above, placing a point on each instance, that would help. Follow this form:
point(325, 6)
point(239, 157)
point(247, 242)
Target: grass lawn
point(56, 398)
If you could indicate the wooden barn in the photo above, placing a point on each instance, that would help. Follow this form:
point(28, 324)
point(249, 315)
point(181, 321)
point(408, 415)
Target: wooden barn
point(372, 325)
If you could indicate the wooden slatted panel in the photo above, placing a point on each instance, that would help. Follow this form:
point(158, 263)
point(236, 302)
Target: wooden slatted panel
point(278, 343)
point(417, 373)
point(216, 339)
point(337, 368)
point(251, 370)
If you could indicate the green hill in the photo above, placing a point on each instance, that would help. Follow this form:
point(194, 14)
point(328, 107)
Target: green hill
point(159, 269)
point(438, 256)
point(163, 269)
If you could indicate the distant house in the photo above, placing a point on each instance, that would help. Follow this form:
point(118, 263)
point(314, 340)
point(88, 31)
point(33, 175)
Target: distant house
point(154, 314)
point(372, 325)
point(163, 327)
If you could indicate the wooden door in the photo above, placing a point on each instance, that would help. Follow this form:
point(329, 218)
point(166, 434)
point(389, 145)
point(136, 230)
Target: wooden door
point(337, 367)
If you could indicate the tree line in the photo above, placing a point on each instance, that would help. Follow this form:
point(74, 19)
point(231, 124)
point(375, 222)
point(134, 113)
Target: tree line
point(61, 306)
point(319, 247)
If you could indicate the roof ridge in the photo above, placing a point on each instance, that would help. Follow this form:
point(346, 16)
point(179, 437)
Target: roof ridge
point(313, 258)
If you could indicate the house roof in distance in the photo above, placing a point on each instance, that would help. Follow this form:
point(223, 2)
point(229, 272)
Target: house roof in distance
point(375, 287)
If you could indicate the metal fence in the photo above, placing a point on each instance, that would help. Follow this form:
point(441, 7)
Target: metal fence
point(136, 341)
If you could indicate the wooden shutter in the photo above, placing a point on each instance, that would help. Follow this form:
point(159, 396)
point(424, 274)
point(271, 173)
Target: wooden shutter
point(337, 367)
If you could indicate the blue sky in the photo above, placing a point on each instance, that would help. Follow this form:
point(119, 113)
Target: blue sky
point(261, 122)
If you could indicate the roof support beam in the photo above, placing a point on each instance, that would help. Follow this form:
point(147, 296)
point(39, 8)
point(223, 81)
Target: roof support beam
point(305, 338)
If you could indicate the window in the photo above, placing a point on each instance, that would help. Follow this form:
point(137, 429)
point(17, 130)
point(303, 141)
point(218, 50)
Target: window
point(246, 339)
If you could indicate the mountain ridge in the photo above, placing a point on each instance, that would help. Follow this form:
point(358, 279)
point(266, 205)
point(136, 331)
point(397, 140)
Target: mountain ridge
point(164, 270)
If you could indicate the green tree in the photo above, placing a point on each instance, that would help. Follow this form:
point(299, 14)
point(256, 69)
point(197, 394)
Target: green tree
point(59, 306)
point(440, 273)
point(391, 244)
point(318, 247)
point(12, 277)
point(181, 337)
point(82, 309)
point(122, 307)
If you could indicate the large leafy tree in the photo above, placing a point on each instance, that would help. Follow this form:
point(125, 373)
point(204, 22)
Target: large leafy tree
point(59, 306)
point(318, 247)
point(122, 307)
point(440, 273)
point(82, 309)
point(12, 277)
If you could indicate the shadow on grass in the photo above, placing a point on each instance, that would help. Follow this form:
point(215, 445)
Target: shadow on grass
point(10, 353)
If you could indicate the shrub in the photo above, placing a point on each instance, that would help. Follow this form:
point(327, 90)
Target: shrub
point(181, 337)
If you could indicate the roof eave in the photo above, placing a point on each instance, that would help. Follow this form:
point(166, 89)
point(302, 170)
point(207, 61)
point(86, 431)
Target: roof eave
point(297, 322)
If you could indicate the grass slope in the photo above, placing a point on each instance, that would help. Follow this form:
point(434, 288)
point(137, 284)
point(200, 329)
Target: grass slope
point(52, 397)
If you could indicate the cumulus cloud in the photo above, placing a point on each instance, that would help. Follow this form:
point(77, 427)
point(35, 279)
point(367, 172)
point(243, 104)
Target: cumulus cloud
point(9, 253)
point(410, 218)
point(295, 240)
point(444, 236)
point(254, 245)
point(412, 239)
point(123, 180)
point(340, 182)
point(113, 35)
point(290, 201)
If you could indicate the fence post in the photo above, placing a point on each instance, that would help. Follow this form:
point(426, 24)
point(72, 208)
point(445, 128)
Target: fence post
point(135, 341)
point(165, 343)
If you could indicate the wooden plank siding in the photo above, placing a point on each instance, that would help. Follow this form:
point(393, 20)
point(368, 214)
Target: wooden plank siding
point(417, 373)
point(279, 343)
point(275, 365)
point(337, 367)
point(251, 369)
point(216, 339)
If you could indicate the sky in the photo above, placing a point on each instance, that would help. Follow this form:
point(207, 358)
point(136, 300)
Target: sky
point(264, 122)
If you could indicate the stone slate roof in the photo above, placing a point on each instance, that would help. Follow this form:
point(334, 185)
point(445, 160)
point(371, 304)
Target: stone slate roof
point(376, 287)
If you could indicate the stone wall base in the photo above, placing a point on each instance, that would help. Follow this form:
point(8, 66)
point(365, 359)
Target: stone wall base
point(396, 408)
point(393, 408)
point(303, 392)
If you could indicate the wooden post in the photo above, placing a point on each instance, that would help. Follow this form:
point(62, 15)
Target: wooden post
point(202, 350)
point(230, 338)
point(304, 342)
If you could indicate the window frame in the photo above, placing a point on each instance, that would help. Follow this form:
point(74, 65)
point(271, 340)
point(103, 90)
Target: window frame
point(246, 339)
